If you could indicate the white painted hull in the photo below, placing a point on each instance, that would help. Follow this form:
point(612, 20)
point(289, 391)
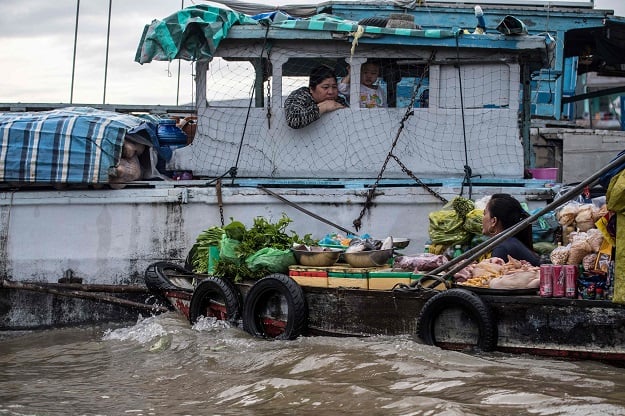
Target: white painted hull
point(111, 236)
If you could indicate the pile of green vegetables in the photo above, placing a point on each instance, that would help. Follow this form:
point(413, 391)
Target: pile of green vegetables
point(244, 252)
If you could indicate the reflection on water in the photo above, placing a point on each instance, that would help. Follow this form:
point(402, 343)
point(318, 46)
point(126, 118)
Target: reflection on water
point(163, 366)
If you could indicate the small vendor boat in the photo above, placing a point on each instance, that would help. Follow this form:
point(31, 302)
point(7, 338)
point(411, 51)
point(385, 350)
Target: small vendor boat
point(513, 321)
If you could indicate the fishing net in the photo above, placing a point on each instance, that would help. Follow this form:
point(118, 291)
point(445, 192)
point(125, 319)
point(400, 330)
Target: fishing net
point(445, 113)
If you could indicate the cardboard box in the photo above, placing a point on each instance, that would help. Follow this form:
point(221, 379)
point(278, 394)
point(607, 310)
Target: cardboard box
point(309, 276)
point(386, 280)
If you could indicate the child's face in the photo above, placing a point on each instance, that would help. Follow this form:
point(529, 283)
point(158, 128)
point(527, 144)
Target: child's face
point(369, 74)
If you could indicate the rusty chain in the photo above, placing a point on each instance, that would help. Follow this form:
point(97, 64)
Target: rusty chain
point(409, 112)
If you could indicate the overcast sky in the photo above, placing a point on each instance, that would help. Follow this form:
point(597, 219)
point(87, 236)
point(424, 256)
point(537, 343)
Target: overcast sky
point(37, 41)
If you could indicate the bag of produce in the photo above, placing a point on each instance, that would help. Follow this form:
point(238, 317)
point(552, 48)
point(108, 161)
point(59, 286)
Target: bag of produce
point(560, 255)
point(270, 260)
point(566, 215)
point(473, 221)
point(446, 228)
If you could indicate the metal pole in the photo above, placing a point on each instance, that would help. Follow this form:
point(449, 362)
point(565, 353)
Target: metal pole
point(178, 87)
point(305, 211)
point(106, 61)
point(71, 92)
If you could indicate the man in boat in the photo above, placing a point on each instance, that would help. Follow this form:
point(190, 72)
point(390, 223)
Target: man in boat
point(306, 104)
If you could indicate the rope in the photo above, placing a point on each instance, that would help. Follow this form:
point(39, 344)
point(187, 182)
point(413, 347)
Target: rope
point(357, 35)
point(468, 173)
point(233, 170)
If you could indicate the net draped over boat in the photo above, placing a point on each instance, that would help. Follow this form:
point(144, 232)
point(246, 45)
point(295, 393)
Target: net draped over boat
point(448, 112)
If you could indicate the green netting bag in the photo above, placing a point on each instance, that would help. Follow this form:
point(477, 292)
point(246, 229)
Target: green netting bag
point(271, 260)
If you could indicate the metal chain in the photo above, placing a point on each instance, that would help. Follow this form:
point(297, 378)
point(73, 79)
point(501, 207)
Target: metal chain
point(220, 201)
point(409, 112)
point(419, 181)
point(268, 88)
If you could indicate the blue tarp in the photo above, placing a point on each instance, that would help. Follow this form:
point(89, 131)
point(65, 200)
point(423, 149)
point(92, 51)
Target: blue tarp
point(69, 145)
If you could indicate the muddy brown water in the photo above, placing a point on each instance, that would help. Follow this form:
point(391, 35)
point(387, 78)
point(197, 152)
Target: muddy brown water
point(163, 366)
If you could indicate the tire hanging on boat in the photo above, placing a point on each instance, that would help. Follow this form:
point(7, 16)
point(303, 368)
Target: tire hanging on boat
point(157, 280)
point(262, 310)
point(215, 297)
point(471, 304)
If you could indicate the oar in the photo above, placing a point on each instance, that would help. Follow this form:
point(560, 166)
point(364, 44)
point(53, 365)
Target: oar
point(80, 294)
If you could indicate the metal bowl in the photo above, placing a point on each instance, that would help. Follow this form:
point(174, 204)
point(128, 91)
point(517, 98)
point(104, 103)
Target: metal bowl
point(372, 258)
point(400, 242)
point(324, 258)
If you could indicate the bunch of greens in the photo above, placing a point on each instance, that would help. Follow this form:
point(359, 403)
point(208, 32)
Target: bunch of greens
point(198, 255)
point(261, 235)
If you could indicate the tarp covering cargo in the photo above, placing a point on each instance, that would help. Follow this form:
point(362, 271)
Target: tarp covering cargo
point(69, 145)
point(195, 32)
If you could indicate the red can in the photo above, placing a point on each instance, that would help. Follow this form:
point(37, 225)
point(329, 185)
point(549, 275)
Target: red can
point(558, 279)
point(546, 280)
point(570, 280)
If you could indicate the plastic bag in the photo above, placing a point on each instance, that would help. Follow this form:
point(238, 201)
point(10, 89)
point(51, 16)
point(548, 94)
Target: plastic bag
point(545, 227)
point(615, 195)
point(271, 260)
point(559, 255)
point(473, 221)
point(446, 228)
point(228, 249)
point(420, 262)
point(566, 215)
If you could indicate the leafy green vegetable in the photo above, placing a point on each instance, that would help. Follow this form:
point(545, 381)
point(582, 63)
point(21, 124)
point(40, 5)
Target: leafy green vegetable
point(235, 230)
point(262, 234)
point(462, 206)
point(199, 251)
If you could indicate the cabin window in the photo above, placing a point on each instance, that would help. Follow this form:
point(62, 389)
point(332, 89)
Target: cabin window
point(403, 77)
point(397, 81)
point(296, 72)
point(483, 86)
point(235, 82)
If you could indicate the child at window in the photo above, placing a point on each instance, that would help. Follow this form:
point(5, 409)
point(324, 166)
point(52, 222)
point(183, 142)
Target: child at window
point(371, 95)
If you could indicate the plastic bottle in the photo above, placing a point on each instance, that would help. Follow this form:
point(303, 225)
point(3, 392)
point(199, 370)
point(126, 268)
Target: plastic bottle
point(457, 251)
point(426, 248)
point(481, 23)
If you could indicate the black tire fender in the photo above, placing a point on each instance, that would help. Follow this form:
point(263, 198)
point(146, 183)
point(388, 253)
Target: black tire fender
point(471, 304)
point(374, 21)
point(215, 289)
point(261, 293)
point(156, 276)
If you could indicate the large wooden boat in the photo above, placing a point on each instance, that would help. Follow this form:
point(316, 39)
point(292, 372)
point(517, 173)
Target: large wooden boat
point(374, 170)
point(514, 321)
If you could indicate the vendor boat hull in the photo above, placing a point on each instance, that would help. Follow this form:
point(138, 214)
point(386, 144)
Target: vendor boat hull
point(458, 318)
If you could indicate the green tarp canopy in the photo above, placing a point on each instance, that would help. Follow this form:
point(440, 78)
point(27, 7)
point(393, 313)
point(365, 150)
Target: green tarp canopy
point(194, 33)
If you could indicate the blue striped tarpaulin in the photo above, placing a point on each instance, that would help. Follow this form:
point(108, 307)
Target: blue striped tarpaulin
point(69, 145)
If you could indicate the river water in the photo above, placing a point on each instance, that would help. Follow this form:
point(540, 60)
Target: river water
point(163, 366)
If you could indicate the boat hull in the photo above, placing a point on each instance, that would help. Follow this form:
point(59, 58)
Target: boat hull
point(523, 324)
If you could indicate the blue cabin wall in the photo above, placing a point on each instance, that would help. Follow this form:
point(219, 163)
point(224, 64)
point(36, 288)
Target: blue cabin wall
point(549, 84)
